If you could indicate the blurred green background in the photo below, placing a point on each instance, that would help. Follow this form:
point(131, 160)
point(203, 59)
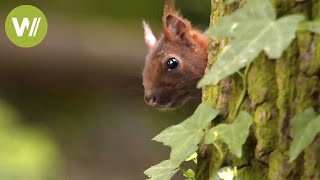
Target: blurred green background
point(72, 108)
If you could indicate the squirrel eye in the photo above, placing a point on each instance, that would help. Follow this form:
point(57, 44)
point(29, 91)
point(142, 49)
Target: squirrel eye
point(172, 63)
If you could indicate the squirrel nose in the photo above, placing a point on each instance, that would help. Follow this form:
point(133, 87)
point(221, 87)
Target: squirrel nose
point(151, 100)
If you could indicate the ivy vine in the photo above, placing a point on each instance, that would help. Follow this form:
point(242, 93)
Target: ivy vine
point(250, 30)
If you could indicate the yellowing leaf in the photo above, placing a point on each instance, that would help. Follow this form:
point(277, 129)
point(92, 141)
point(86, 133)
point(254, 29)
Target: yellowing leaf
point(252, 29)
point(234, 135)
point(305, 126)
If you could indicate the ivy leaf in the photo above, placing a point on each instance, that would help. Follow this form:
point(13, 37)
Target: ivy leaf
point(305, 126)
point(189, 174)
point(234, 135)
point(162, 171)
point(193, 157)
point(185, 137)
point(254, 11)
point(301, 118)
point(313, 26)
point(252, 29)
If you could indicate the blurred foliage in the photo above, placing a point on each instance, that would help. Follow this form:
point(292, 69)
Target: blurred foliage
point(127, 11)
point(26, 153)
point(85, 122)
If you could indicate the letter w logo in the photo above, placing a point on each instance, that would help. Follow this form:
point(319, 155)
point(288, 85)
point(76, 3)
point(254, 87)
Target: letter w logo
point(25, 25)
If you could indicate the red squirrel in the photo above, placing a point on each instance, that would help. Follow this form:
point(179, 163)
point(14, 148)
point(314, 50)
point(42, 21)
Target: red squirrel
point(175, 62)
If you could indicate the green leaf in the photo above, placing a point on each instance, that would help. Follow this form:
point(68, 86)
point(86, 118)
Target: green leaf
point(185, 137)
point(183, 140)
point(305, 126)
point(252, 29)
point(162, 171)
point(301, 119)
point(189, 174)
point(193, 157)
point(234, 135)
point(313, 26)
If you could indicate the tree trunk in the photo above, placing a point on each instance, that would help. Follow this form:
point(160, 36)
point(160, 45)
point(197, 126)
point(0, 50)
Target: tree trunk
point(276, 91)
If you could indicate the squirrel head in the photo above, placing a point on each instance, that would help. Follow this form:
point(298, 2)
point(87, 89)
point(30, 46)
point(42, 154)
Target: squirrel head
point(175, 62)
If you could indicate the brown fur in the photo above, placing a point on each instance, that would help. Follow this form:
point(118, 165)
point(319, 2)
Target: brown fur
point(171, 89)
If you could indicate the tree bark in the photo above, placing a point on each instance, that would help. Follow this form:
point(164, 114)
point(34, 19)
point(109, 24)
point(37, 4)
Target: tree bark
point(276, 90)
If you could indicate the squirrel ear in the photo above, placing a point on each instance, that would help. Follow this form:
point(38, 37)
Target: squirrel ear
point(149, 38)
point(175, 27)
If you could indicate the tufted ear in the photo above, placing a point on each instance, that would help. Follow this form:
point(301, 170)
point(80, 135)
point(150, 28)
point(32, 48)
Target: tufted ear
point(176, 28)
point(149, 38)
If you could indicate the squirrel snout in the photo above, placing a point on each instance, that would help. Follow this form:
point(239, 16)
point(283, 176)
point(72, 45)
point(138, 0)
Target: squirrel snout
point(151, 100)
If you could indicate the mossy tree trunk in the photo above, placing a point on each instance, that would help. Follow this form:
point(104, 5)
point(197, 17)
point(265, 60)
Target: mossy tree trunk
point(276, 90)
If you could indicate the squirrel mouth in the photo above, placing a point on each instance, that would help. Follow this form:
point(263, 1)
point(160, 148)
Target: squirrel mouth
point(177, 102)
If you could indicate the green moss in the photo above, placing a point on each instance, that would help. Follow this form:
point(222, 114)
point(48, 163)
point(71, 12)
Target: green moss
point(309, 53)
point(312, 154)
point(283, 6)
point(279, 168)
point(247, 158)
point(217, 160)
point(311, 161)
point(257, 171)
point(261, 80)
point(214, 94)
point(304, 39)
point(277, 90)
point(211, 93)
point(306, 87)
point(235, 93)
point(314, 67)
point(286, 70)
point(265, 124)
